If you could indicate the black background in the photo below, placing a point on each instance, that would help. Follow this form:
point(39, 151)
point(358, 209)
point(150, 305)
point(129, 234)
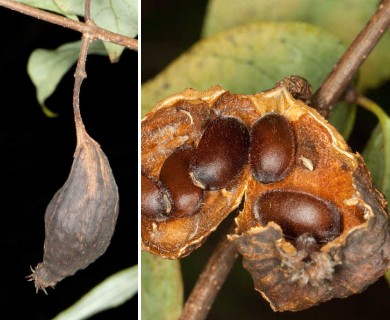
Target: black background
point(168, 29)
point(37, 154)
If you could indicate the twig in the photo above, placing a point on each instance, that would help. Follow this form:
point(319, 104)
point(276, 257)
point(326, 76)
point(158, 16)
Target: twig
point(80, 74)
point(337, 81)
point(90, 28)
point(210, 281)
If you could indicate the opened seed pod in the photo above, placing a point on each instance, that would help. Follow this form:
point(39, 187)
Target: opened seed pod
point(313, 225)
point(80, 219)
point(184, 200)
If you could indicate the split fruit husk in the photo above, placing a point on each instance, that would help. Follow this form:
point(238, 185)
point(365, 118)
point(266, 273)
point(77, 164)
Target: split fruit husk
point(295, 277)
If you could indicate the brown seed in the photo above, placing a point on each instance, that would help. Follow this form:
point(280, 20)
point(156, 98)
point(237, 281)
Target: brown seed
point(272, 150)
point(155, 199)
point(80, 219)
point(298, 213)
point(174, 173)
point(221, 154)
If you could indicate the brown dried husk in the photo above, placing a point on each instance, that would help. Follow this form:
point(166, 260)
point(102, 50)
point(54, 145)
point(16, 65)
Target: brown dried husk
point(172, 123)
point(80, 219)
point(292, 279)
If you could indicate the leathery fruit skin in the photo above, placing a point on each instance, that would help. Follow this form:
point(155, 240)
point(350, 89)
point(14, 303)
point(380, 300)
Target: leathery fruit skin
point(80, 219)
point(337, 241)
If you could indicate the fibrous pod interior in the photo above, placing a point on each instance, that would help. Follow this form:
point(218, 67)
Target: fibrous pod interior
point(81, 218)
point(313, 225)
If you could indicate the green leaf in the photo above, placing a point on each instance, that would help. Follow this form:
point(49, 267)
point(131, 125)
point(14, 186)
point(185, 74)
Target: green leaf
point(48, 5)
point(112, 292)
point(344, 19)
point(119, 16)
point(161, 288)
point(250, 59)
point(47, 67)
point(377, 151)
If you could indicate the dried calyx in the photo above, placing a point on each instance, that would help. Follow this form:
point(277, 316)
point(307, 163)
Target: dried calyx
point(313, 226)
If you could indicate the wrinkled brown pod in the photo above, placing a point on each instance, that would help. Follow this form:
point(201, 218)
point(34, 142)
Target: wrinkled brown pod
point(81, 218)
point(332, 241)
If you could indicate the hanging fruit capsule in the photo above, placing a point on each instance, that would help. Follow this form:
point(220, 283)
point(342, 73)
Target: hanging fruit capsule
point(80, 219)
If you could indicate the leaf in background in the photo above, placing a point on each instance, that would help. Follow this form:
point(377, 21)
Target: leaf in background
point(377, 151)
point(161, 288)
point(344, 19)
point(250, 59)
point(47, 67)
point(112, 292)
point(48, 5)
point(119, 16)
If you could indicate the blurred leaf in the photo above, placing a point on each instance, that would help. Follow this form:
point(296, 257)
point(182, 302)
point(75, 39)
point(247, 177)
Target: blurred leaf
point(250, 59)
point(161, 288)
point(49, 5)
point(47, 67)
point(343, 118)
point(344, 19)
point(112, 292)
point(377, 151)
point(387, 276)
point(119, 16)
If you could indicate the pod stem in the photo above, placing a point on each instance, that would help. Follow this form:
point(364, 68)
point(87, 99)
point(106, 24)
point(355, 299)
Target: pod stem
point(334, 86)
point(211, 280)
point(79, 75)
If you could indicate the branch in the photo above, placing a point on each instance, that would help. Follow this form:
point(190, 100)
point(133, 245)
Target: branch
point(210, 281)
point(337, 81)
point(90, 28)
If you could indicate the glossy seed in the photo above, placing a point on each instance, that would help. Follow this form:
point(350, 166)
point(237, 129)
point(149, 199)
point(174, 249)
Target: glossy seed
point(221, 154)
point(174, 173)
point(155, 199)
point(273, 147)
point(298, 213)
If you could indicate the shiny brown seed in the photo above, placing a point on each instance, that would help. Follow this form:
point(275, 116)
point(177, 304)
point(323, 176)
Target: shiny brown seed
point(272, 150)
point(174, 173)
point(298, 213)
point(221, 154)
point(155, 199)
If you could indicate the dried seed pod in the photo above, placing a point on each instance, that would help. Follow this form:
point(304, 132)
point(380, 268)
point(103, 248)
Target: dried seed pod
point(337, 246)
point(221, 154)
point(272, 150)
point(330, 200)
point(80, 219)
point(186, 196)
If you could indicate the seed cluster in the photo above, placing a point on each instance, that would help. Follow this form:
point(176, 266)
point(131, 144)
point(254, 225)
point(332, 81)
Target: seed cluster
point(309, 201)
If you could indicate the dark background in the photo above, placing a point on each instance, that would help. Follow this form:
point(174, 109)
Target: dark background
point(37, 154)
point(168, 29)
